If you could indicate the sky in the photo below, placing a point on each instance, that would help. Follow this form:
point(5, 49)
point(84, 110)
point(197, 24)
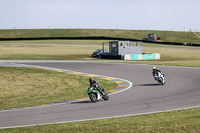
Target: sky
point(172, 15)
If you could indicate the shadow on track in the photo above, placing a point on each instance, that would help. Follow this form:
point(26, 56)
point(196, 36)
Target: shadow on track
point(87, 101)
point(148, 85)
point(78, 102)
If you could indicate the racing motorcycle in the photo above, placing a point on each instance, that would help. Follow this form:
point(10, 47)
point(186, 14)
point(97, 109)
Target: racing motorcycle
point(160, 77)
point(96, 94)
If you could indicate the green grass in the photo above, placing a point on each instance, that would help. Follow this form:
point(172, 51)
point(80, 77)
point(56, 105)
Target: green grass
point(170, 46)
point(173, 56)
point(44, 51)
point(82, 50)
point(24, 87)
point(168, 36)
point(48, 50)
point(182, 121)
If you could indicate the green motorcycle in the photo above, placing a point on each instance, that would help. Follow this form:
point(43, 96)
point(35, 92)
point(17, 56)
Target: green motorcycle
point(96, 94)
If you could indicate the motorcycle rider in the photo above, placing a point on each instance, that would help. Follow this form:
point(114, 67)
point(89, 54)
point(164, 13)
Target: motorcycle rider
point(155, 72)
point(93, 83)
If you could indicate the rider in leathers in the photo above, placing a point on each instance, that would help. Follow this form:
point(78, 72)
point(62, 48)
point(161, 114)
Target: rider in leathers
point(155, 72)
point(93, 83)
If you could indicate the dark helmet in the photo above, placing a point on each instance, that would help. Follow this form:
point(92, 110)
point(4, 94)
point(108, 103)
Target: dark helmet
point(91, 80)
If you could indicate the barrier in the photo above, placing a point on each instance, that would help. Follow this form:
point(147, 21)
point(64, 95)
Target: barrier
point(153, 56)
point(96, 38)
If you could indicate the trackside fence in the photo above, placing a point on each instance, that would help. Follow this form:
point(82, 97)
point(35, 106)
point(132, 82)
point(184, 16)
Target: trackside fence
point(97, 38)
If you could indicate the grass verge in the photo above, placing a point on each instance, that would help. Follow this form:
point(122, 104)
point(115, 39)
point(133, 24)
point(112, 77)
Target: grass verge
point(167, 122)
point(44, 51)
point(73, 50)
point(167, 36)
point(172, 57)
point(24, 87)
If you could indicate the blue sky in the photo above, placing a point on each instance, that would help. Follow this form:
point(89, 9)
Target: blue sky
point(176, 15)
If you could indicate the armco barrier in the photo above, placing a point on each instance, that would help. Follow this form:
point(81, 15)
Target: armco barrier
point(97, 38)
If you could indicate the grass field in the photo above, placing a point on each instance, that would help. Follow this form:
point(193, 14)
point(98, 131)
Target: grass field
point(168, 36)
point(174, 56)
point(82, 50)
point(44, 51)
point(25, 87)
point(182, 121)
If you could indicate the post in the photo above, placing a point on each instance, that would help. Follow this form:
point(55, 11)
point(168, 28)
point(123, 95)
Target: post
point(103, 47)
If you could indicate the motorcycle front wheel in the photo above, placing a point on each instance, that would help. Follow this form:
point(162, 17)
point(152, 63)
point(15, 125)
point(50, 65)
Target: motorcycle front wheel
point(93, 97)
point(161, 81)
point(105, 96)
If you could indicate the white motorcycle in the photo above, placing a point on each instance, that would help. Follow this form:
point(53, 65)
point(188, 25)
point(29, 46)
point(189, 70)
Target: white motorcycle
point(160, 77)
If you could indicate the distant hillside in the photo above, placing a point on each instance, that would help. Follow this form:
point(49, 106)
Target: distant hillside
point(167, 36)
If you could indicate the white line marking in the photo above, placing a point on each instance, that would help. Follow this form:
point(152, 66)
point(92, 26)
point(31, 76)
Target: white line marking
point(101, 118)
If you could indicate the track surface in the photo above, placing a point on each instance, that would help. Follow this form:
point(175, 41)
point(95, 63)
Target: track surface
point(182, 90)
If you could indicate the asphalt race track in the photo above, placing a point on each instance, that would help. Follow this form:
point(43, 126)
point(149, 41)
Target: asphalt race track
point(182, 90)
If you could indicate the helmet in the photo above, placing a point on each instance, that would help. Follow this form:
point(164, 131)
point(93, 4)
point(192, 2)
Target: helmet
point(155, 68)
point(91, 80)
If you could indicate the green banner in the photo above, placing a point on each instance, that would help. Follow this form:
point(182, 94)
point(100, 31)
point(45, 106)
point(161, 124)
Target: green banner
point(148, 56)
point(134, 57)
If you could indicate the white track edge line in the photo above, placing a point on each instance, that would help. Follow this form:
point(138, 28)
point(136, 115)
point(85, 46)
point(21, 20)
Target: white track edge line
point(101, 118)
